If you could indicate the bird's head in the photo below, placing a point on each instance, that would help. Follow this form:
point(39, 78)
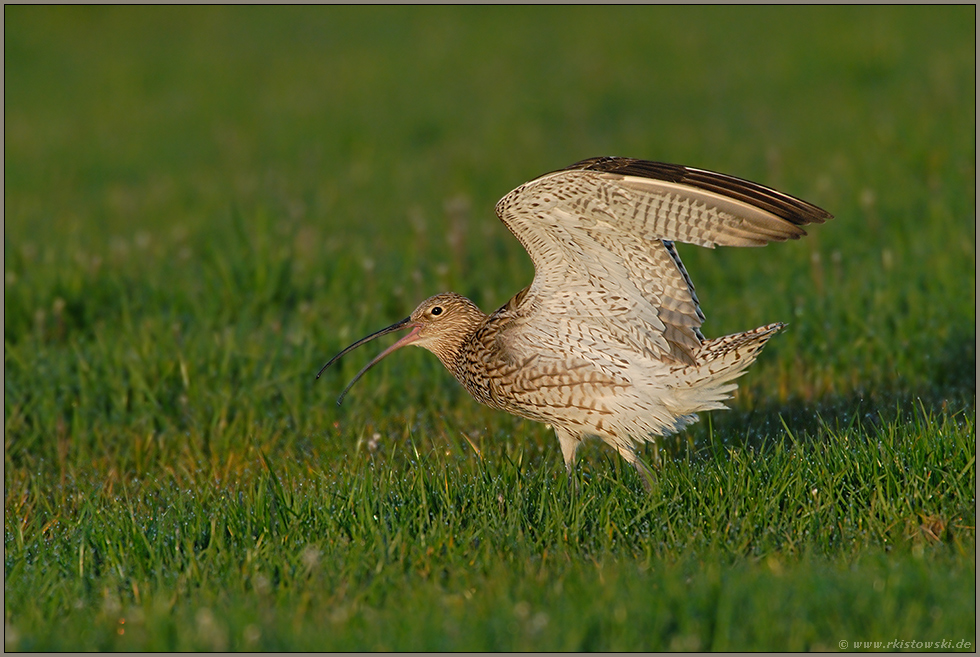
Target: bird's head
point(441, 324)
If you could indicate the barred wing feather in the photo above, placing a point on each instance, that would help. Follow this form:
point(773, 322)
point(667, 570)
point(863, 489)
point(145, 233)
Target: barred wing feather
point(607, 275)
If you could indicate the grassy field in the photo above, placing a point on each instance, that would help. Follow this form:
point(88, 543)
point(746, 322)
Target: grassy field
point(202, 205)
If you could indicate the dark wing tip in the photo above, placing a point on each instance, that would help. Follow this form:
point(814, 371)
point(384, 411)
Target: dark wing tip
point(784, 206)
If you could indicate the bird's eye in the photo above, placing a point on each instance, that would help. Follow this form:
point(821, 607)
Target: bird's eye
point(437, 310)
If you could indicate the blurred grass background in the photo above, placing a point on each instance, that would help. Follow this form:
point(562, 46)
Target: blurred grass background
point(204, 204)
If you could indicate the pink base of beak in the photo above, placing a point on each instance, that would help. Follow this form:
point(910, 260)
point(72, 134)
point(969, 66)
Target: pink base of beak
point(406, 340)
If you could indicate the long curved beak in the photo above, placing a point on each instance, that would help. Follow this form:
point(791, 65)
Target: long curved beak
point(408, 339)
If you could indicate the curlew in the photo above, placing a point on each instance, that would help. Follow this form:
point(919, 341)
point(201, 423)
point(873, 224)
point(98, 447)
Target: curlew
point(606, 341)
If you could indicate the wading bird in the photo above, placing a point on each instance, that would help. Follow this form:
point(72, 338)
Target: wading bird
point(606, 340)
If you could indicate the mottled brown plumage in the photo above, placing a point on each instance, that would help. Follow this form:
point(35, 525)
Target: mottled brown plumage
point(606, 341)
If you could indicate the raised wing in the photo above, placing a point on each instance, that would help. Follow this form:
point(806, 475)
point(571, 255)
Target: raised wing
point(599, 233)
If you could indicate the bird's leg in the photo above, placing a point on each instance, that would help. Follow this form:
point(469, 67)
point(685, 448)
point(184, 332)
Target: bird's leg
point(646, 474)
point(569, 441)
point(572, 480)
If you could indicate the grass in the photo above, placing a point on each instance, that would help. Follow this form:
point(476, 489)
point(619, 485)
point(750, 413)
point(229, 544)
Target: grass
point(202, 205)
